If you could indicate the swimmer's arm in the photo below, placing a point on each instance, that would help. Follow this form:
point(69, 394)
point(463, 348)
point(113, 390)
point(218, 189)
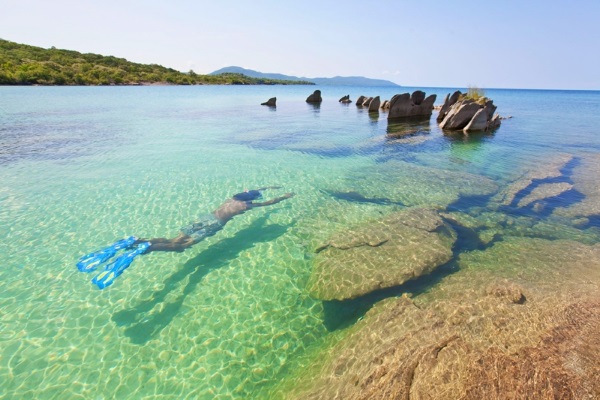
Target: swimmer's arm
point(268, 187)
point(273, 201)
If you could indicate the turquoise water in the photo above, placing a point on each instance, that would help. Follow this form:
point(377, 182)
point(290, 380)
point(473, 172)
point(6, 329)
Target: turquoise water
point(229, 318)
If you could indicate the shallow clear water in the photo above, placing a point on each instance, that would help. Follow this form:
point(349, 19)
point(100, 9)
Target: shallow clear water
point(229, 318)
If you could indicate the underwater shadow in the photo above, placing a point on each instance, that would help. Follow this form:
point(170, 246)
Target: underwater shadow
point(399, 128)
point(340, 314)
point(355, 197)
point(143, 327)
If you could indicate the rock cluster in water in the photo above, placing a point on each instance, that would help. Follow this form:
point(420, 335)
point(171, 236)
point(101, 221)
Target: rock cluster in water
point(404, 105)
point(462, 113)
point(459, 111)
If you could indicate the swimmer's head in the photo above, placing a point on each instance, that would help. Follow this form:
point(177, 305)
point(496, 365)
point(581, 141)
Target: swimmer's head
point(248, 195)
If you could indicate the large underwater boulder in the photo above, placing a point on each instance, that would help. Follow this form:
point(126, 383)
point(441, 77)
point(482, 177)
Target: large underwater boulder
point(520, 320)
point(381, 254)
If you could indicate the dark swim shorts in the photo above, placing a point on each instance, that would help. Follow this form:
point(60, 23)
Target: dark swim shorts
point(206, 226)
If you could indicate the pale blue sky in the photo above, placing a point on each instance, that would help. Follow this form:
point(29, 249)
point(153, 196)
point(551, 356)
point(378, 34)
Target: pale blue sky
point(508, 44)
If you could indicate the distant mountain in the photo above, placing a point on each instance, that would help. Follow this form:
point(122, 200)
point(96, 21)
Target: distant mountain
point(335, 81)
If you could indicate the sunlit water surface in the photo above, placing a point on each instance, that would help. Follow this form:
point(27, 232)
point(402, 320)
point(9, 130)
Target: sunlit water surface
point(230, 318)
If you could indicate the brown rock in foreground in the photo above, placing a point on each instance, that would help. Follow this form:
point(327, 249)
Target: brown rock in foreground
point(518, 321)
point(381, 254)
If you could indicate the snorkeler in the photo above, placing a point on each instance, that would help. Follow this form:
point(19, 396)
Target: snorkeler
point(189, 235)
point(210, 224)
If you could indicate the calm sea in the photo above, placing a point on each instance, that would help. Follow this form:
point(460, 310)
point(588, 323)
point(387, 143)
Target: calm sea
point(230, 318)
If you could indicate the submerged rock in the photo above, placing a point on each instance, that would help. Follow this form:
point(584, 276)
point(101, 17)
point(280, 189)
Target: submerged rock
point(520, 320)
point(551, 169)
point(586, 180)
point(315, 97)
point(415, 105)
point(416, 185)
point(381, 254)
point(544, 191)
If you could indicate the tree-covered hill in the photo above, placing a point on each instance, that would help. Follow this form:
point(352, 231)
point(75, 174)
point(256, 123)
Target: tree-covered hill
point(22, 64)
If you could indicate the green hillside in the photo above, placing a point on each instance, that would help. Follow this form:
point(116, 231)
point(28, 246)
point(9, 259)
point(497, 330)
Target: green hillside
point(22, 64)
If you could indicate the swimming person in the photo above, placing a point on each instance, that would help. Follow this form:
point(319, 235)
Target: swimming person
point(189, 235)
point(210, 224)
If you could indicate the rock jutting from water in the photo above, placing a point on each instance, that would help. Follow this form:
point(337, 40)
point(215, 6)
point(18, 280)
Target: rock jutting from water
point(381, 254)
point(345, 99)
point(460, 112)
point(407, 105)
point(374, 104)
point(519, 320)
point(272, 102)
point(315, 97)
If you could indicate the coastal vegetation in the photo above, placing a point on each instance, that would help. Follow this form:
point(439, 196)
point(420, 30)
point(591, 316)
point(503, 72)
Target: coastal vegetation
point(476, 94)
point(22, 64)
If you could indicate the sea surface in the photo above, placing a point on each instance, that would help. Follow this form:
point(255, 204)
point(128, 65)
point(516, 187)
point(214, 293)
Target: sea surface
point(230, 318)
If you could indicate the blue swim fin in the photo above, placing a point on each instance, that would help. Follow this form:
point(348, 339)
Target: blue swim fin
point(116, 268)
point(89, 262)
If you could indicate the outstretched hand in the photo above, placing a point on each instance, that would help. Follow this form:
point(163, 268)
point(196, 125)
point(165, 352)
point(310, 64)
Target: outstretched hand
point(288, 195)
point(269, 187)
